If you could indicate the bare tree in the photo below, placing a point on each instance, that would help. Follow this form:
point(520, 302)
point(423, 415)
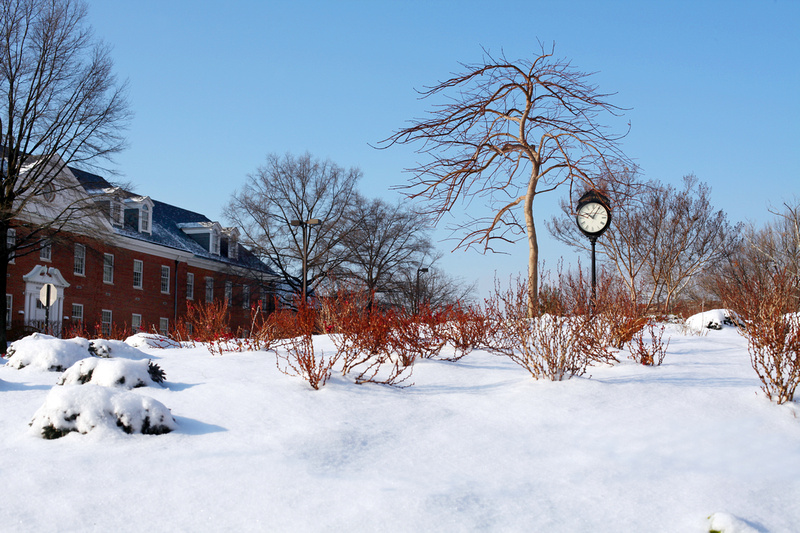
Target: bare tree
point(60, 105)
point(662, 237)
point(430, 286)
point(510, 131)
point(294, 210)
point(381, 242)
point(761, 254)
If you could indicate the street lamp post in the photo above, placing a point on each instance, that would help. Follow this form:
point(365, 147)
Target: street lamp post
point(416, 299)
point(304, 224)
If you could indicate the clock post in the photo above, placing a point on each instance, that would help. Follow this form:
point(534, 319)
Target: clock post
point(593, 218)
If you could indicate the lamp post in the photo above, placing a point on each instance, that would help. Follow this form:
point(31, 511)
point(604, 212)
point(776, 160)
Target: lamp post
point(416, 298)
point(304, 224)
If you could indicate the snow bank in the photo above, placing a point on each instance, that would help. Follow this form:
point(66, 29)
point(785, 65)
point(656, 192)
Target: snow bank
point(85, 408)
point(47, 353)
point(111, 348)
point(714, 319)
point(112, 373)
point(151, 340)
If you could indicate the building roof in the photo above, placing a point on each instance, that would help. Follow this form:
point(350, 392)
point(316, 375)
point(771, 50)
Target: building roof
point(167, 221)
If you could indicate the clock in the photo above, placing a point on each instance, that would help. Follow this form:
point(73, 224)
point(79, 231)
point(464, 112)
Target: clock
point(593, 215)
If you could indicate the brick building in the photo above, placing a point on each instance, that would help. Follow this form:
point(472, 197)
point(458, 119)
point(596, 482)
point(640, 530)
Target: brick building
point(147, 263)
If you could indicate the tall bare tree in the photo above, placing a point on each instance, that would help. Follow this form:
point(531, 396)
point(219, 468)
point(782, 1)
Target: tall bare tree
point(294, 209)
point(510, 131)
point(60, 105)
point(383, 240)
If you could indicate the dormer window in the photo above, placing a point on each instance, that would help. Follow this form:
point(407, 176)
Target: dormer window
point(215, 242)
point(230, 243)
point(144, 219)
point(139, 214)
point(206, 234)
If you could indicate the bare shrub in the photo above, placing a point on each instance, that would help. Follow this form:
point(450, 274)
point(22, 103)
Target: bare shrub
point(652, 353)
point(548, 347)
point(467, 328)
point(300, 359)
point(766, 305)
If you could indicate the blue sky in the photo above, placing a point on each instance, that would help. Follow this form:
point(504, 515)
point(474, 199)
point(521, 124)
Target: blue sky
point(713, 89)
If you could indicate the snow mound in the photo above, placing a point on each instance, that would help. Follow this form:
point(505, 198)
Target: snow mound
point(111, 348)
point(113, 373)
point(85, 408)
point(151, 340)
point(714, 319)
point(726, 523)
point(47, 353)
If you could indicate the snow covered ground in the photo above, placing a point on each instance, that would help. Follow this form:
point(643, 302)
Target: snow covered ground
point(475, 445)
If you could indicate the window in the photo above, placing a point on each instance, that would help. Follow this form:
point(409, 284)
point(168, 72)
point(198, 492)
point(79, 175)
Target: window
point(263, 301)
point(46, 252)
point(164, 279)
point(80, 260)
point(144, 223)
point(105, 322)
point(214, 244)
point(108, 268)
point(136, 322)
point(189, 328)
point(9, 301)
point(228, 291)
point(190, 286)
point(49, 192)
point(163, 325)
point(138, 270)
point(77, 313)
point(209, 289)
point(11, 241)
point(245, 296)
point(233, 248)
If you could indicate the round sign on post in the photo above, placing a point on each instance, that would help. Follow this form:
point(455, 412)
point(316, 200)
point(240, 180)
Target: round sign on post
point(48, 295)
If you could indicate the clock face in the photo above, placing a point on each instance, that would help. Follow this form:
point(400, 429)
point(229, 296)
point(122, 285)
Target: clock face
point(593, 217)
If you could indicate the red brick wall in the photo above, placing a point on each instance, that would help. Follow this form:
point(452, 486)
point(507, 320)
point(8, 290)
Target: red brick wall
point(120, 296)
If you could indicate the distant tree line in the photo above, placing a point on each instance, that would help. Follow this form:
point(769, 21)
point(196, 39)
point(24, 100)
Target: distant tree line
point(297, 209)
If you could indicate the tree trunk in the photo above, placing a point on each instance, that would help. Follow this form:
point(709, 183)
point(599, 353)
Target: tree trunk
point(533, 247)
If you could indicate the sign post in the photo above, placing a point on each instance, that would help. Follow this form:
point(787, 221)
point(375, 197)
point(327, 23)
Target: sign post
point(48, 296)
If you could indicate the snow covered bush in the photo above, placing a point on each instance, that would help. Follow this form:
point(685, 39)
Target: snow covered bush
point(151, 340)
point(112, 348)
point(714, 319)
point(47, 353)
point(88, 407)
point(113, 373)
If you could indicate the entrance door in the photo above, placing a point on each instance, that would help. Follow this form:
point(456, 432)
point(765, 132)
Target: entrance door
point(34, 310)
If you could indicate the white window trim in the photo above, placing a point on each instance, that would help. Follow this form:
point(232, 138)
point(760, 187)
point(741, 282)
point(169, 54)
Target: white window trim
point(136, 322)
point(165, 279)
point(46, 252)
point(108, 269)
point(189, 286)
point(245, 296)
point(11, 241)
point(209, 289)
point(82, 257)
point(73, 315)
point(9, 308)
point(103, 323)
point(163, 325)
point(228, 291)
point(140, 263)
